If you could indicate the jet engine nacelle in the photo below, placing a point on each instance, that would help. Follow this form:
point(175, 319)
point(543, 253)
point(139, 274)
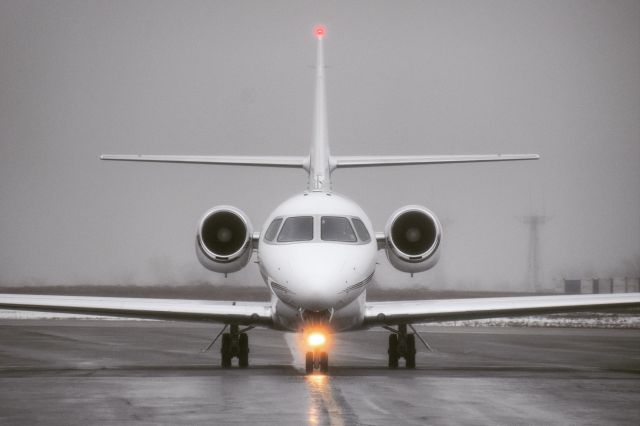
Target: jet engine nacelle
point(224, 241)
point(413, 235)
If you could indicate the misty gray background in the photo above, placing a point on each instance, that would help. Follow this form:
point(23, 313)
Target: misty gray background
point(81, 78)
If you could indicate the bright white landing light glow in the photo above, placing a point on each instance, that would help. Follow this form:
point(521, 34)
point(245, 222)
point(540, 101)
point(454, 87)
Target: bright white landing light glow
point(316, 339)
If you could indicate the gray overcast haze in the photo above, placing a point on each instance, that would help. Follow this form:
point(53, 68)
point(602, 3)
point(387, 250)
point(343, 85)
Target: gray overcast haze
point(81, 78)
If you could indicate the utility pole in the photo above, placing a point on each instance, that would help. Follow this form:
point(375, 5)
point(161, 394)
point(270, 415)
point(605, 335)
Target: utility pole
point(534, 264)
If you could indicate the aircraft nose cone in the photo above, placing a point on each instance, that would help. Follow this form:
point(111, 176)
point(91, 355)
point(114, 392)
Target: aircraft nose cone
point(316, 301)
point(317, 294)
point(316, 276)
point(317, 286)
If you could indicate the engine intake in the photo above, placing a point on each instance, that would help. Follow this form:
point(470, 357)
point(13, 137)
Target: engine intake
point(224, 240)
point(413, 235)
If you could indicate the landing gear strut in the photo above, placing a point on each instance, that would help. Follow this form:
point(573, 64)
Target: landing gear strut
point(315, 360)
point(402, 345)
point(235, 344)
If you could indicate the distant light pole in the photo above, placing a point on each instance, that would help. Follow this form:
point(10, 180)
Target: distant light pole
point(533, 273)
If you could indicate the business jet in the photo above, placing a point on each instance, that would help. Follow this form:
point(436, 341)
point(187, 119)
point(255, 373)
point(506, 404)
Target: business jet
point(317, 255)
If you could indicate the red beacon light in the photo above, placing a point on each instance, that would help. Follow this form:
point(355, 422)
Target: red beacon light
point(320, 31)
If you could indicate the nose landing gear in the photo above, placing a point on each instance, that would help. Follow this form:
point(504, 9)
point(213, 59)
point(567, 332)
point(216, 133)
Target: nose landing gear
point(316, 360)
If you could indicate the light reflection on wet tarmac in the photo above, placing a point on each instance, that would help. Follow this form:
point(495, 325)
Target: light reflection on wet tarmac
point(318, 390)
point(327, 405)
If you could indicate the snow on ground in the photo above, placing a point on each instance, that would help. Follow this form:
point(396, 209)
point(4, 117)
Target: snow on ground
point(584, 320)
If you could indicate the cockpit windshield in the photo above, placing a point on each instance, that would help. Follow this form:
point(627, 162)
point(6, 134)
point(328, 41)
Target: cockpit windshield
point(273, 229)
point(363, 234)
point(334, 228)
point(299, 228)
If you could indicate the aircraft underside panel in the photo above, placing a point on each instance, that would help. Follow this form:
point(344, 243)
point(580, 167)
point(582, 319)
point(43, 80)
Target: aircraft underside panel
point(350, 317)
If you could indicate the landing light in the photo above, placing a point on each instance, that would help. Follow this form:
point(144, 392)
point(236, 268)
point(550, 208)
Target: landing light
point(316, 339)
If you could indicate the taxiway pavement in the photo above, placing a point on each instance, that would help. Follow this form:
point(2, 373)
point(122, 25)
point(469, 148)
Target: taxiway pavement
point(124, 372)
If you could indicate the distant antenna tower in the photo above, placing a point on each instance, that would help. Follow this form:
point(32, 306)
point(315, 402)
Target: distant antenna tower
point(533, 273)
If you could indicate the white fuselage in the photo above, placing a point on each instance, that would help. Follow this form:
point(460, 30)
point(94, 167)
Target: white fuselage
point(316, 278)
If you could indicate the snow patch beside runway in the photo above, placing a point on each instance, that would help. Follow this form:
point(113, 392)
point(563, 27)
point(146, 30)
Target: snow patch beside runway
point(583, 320)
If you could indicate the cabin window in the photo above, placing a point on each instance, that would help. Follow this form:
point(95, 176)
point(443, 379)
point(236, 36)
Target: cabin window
point(273, 229)
point(298, 228)
point(334, 228)
point(363, 234)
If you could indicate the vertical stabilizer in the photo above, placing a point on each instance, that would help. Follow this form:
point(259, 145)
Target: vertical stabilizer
point(319, 161)
point(319, 164)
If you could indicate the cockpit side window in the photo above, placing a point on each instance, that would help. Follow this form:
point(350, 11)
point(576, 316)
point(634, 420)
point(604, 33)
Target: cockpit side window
point(363, 234)
point(334, 228)
point(273, 229)
point(299, 228)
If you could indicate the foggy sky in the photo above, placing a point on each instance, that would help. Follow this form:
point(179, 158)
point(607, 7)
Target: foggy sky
point(81, 78)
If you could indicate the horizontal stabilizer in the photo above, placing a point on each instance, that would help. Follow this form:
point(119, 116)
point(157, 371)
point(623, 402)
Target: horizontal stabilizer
point(399, 160)
point(237, 160)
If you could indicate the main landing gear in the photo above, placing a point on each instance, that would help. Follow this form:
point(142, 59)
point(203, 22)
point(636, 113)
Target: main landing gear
point(401, 345)
point(235, 344)
point(315, 360)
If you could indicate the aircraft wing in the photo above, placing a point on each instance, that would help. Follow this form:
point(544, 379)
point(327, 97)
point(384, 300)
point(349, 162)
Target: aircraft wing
point(423, 311)
point(246, 313)
point(238, 160)
point(399, 160)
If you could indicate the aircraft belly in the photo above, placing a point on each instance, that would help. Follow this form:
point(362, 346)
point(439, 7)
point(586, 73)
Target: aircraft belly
point(348, 317)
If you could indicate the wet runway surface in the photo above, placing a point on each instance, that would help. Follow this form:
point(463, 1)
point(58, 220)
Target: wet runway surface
point(115, 372)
